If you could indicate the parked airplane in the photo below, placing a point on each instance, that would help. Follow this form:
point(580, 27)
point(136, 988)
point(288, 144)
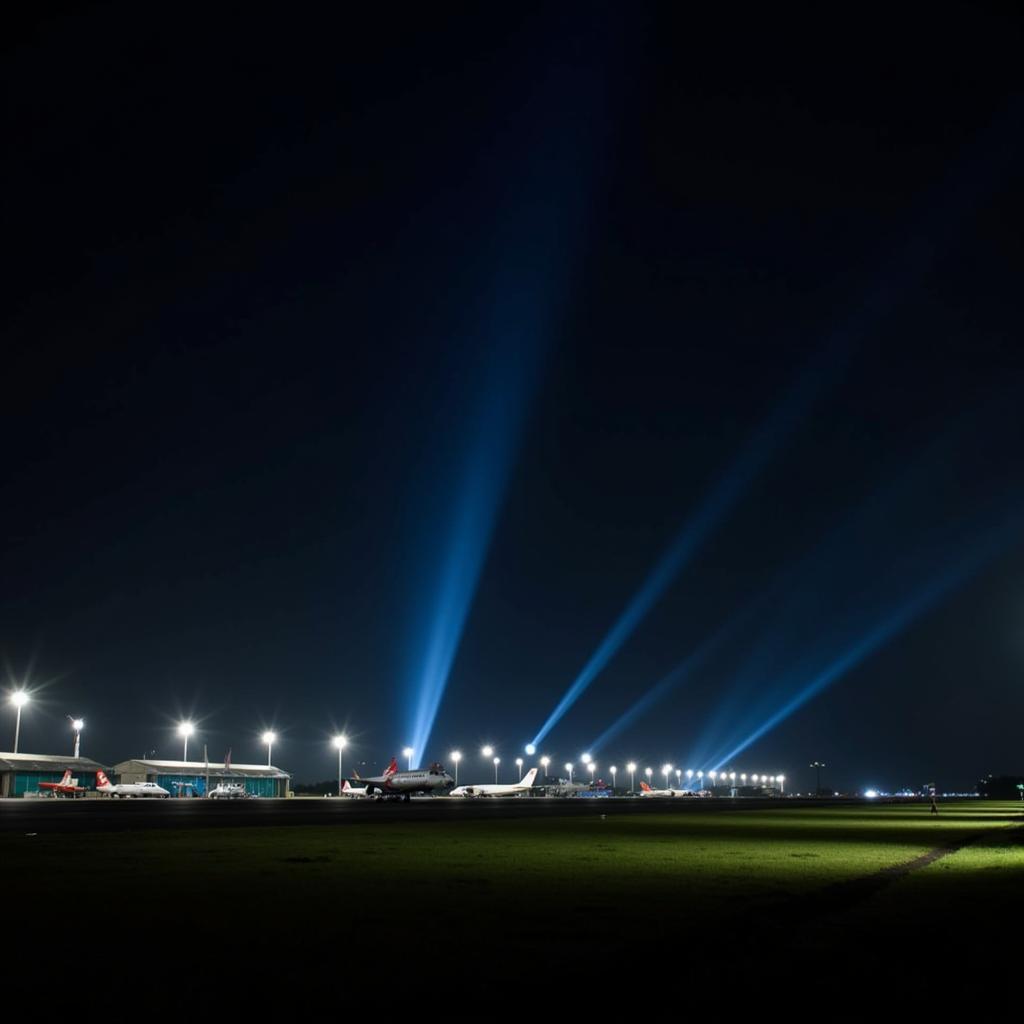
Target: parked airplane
point(228, 791)
point(493, 789)
point(353, 791)
point(129, 789)
point(646, 790)
point(401, 785)
point(66, 787)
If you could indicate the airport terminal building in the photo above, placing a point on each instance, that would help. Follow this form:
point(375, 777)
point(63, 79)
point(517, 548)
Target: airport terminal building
point(196, 778)
point(20, 774)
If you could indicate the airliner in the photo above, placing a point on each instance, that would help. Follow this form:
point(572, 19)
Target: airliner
point(646, 790)
point(66, 787)
point(493, 789)
point(396, 785)
point(352, 791)
point(129, 789)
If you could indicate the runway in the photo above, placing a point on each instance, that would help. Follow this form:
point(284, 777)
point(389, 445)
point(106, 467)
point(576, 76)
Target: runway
point(105, 815)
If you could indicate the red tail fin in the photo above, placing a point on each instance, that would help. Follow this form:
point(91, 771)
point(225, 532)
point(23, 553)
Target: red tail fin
point(392, 768)
point(66, 781)
point(645, 787)
point(101, 779)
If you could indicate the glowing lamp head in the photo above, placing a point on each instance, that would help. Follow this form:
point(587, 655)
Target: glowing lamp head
point(78, 724)
point(585, 758)
point(19, 698)
point(186, 729)
point(497, 760)
point(689, 773)
point(456, 756)
point(568, 766)
point(613, 769)
point(545, 761)
point(269, 737)
point(631, 767)
point(648, 772)
point(712, 774)
point(407, 752)
point(488, 751)
point(530, 749)
point(519, 762)
point(340, 742)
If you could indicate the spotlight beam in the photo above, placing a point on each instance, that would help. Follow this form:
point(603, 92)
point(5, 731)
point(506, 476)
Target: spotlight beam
point(926, 599)
point(780, 424)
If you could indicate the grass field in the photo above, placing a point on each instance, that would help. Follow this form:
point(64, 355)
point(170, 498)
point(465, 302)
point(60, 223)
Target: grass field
point(814, 887)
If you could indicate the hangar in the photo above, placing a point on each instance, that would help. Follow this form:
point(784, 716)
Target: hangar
point(194, 778)
point(20, 774)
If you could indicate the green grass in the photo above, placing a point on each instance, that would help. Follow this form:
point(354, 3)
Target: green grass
point(618, 884)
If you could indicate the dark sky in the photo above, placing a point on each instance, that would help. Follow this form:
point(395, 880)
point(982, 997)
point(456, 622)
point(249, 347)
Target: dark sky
point(314, 321)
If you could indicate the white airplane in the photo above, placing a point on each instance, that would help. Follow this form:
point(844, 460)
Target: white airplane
point(228, 791)
point(352, 791)
point(129, 789)
point(493, 789)
point(397, 785)
point(646, 790)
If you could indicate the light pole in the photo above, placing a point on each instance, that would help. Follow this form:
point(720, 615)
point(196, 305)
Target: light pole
point(648, 772)
point(456, 758)
point(544, 762)
point(782, 785)
point(568, 768)
point(689, 777)
point(519, 765)
point(19, 699)
point(407, 754)
point(592, 767)
point(78, 725)
point(666, 770)
point(185, 730)
point(700, 780)
point(631, 768)
point(497, 761)
point(339, 742)
point(269, 738)
point(613, 770)
point(679, 778)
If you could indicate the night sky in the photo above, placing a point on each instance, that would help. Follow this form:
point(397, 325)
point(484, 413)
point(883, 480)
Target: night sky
point(371, 373)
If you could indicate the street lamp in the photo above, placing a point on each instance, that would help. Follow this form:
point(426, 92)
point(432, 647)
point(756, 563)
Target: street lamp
point(497, 761)
point(592, 767)
point(269, 738)
point(519, 765)
point(340, 741)
point(78, 725)
point(648, 772)
point(456, 757)
point(613, 770)
point(488, 751)
point(19, 699)
point(782, 786)
point(679, 778)
point(185, 730)
point(689, 776)
point(631, 768)
point(544, 762)
point(700, 780)
point(407, 754)
point(568, 768)
point(666, 770)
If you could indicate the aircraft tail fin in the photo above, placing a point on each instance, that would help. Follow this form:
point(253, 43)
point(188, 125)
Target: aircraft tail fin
point(66, 781)
point(646, 788)
point(392, 768)
point(101, 780)
point(529, 777)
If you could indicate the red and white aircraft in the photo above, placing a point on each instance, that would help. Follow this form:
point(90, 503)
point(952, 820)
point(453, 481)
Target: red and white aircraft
point(66, 787)
point(129, 789)
point(401, 785)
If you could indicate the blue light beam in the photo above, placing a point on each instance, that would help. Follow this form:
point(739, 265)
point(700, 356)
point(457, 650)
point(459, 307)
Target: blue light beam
point(781, 423)
point(929, 596)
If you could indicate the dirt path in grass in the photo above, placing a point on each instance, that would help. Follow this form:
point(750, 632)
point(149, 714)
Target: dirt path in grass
point(844, 896)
